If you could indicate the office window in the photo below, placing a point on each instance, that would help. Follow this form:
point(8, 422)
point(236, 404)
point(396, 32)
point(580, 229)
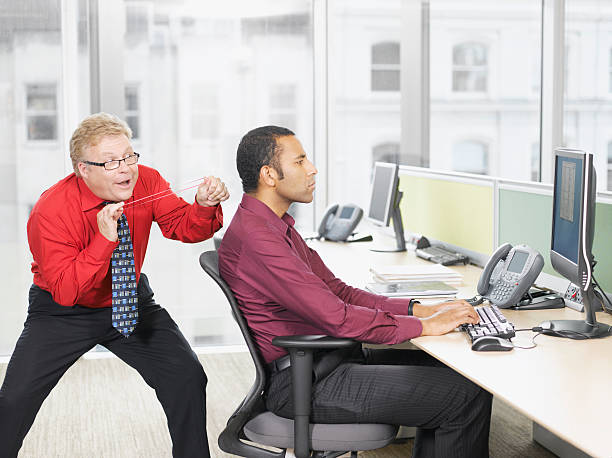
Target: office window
point(132, 109)
point(610, 71)
point(587, 105)
point(386, 152)
point(535, 161)
point(470, 67)
point(283, 105)
point(471, 156)
point(204, 111)
point(484, 69)
point(208, 72)
point(386, 66)
point(609, 175)
point(41, 111)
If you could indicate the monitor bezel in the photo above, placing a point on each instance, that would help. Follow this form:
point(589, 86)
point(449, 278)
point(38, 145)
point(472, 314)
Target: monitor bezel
point(391, 191)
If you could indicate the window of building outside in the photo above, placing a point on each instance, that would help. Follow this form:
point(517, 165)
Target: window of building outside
point(471, 156)
point(587, 111)
point(283, 106)
point(132, 109)
point(470, 71)
point(386, 66)
point(41, 111)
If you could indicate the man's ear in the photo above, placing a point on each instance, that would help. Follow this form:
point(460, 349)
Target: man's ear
point(83, 170)
point(268, 176)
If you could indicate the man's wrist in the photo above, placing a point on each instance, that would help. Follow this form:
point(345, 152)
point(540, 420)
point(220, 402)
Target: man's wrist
point(411, 307)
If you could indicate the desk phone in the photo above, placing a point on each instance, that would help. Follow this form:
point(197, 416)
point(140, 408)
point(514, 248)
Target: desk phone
point(509, 273)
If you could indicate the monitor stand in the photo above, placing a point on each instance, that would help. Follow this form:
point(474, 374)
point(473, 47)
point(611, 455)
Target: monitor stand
point(588, 328)
point(398, 227)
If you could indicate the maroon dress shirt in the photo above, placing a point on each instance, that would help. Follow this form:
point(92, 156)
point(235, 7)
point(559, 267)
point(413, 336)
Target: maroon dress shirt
point(71, 256)
point(284, 288)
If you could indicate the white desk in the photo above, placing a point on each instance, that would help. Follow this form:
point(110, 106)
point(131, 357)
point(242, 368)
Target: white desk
point(564, 385)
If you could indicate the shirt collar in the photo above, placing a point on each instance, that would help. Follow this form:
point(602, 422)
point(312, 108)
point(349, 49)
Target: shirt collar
point(260, 209)
point(88, 199)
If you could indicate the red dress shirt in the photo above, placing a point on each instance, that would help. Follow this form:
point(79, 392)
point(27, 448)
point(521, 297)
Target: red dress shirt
point(284, 288)
point(72, 257)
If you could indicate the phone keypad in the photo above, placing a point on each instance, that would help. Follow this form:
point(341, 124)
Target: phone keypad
point(502, 291)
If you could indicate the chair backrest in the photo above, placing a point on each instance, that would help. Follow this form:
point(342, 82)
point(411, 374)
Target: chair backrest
point(253, 402)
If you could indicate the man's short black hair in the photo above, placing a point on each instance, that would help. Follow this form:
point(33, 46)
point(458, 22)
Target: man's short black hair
point(256, 149)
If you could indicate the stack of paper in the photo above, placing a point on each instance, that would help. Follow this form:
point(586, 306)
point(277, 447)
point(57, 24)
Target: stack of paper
point(413, 289)
point(419, 272)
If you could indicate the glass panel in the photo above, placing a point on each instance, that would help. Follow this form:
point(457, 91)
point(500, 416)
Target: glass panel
point(587, 107)
point(33, 156)
point(470, 157)
point(207, 73)
point(484, 73)
point(364, 98)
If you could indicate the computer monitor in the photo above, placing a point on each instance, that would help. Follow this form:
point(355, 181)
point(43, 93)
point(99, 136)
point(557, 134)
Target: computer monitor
point(385, 199)
point(573, 225)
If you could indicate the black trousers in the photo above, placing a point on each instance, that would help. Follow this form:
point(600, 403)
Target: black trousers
point(54, 337)
point(401, 387)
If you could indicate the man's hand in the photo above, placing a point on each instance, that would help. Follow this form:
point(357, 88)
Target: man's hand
point(423, 311)
point(448, 319)
point(107, 220)
point(211, 192)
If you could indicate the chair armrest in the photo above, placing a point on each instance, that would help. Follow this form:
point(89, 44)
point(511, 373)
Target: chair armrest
point(301, 351)
point(312, 342)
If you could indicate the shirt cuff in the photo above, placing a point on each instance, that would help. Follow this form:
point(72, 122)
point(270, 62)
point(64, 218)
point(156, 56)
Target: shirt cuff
point(396, 305)
point(101, 248)
point(208, 212)
point(409, 328)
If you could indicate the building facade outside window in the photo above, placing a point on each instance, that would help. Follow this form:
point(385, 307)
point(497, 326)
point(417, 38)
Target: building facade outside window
point(470, 71)
point(41, 111)
point(386, 66)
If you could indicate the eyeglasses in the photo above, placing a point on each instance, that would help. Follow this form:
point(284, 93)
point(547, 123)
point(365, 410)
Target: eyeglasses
point(115, 164)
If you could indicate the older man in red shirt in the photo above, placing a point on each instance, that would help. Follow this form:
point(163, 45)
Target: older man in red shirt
point(284, 288)
point(88, 236)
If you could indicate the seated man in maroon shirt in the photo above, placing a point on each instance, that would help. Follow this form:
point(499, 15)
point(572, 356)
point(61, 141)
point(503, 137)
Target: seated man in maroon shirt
point(88, 235)
point(284, 288)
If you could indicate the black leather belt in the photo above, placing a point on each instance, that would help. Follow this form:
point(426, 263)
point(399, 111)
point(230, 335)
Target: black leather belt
point(279, 364)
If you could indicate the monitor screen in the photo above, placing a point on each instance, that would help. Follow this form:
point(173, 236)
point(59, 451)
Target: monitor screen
point(567, 200)
point(383, 192)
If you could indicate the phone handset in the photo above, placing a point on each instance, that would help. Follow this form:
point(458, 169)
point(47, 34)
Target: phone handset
point(487, 274)
point(328, 220)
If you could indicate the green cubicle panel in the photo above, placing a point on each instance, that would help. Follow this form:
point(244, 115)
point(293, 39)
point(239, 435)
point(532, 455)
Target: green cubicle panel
point(526, 217)
point(454, 212)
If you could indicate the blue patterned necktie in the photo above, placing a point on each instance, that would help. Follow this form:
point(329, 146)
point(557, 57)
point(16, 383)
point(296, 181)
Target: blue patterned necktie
point(123, 273)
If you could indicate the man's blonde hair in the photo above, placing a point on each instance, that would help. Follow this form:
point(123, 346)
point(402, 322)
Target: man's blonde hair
point(90, 132)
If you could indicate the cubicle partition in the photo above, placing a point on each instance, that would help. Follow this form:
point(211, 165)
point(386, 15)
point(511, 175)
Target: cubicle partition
point(477, 214)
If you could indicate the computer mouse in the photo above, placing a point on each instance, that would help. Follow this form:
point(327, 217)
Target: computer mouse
point(492, 343)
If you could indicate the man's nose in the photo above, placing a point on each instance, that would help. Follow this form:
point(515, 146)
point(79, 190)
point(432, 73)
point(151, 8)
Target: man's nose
point(313, 170)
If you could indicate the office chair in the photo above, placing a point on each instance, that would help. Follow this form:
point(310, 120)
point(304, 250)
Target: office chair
point(252, 421)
